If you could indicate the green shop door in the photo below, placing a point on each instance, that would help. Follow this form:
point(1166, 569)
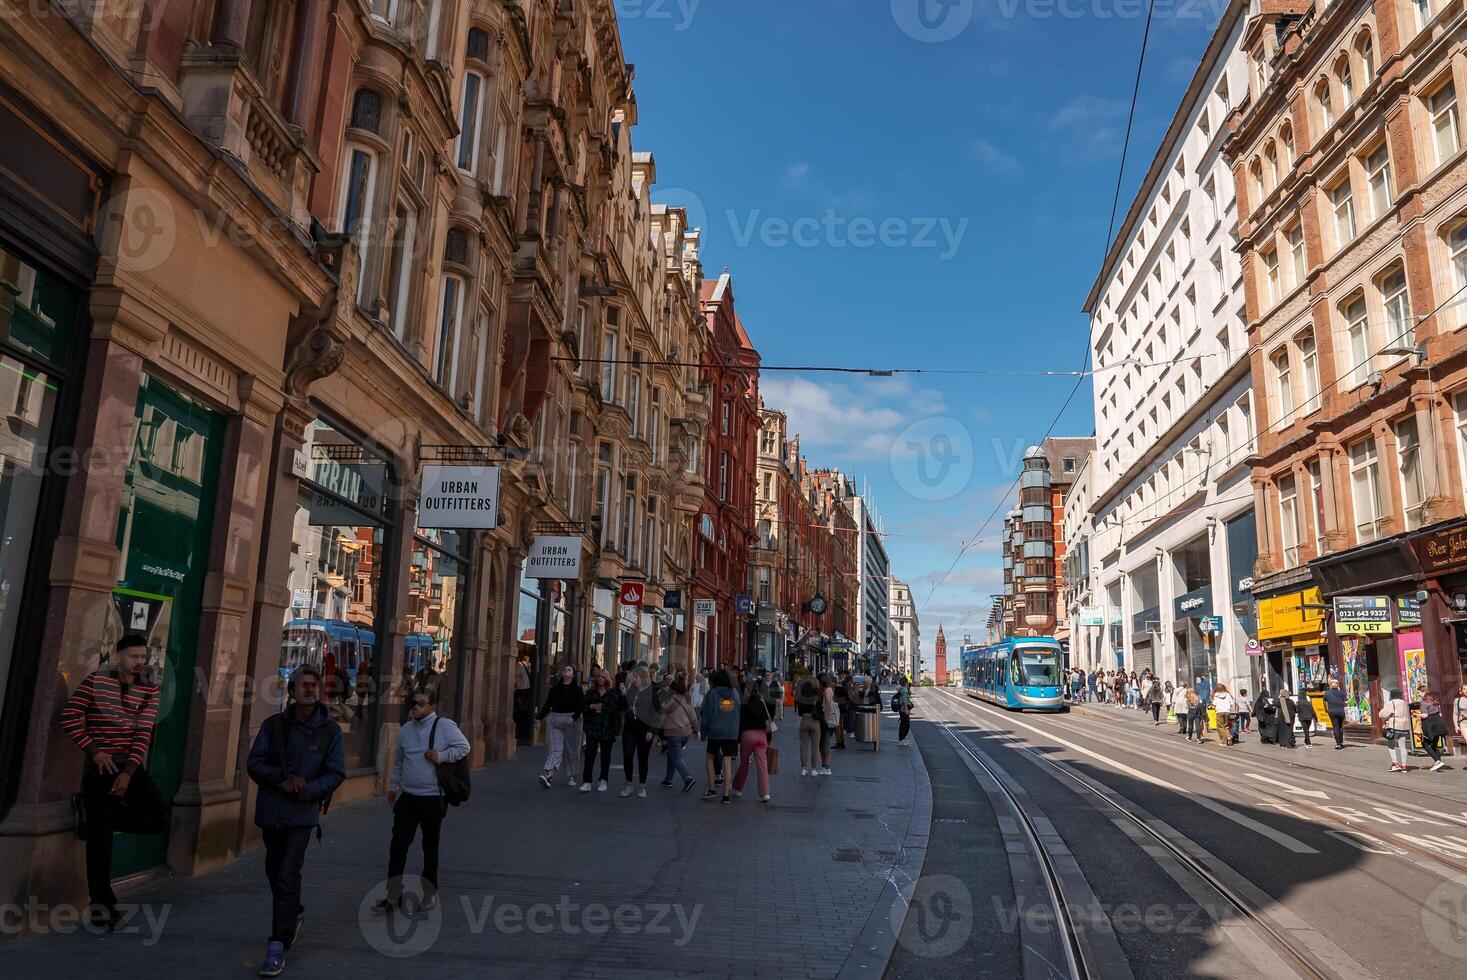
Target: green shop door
point(163, 532)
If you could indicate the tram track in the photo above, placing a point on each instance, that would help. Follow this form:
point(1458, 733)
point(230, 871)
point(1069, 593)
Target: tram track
point(1291, 942)
point(1429, 860)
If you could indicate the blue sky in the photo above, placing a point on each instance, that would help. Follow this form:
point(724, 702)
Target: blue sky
point(897, 192)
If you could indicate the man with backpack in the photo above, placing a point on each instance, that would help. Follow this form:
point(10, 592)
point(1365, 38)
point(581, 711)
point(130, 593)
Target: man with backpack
point(416, 795)
point(298, 760)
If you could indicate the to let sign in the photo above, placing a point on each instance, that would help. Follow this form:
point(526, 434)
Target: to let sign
point(1362, 614)
point(1442, 551)
point(459, 498)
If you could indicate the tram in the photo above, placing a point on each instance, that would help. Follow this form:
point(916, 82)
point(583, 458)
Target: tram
point(331, 645)
point(1021, 673)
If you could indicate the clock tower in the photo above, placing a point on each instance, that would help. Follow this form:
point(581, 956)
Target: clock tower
point(941, 672)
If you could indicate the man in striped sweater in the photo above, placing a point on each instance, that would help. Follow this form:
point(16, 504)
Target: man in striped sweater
point(110, 718)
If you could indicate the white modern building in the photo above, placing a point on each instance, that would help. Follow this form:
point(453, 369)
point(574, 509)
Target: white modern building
point(1082, 582)
point(1172, 546)
point(872, 629)
point(906, 633)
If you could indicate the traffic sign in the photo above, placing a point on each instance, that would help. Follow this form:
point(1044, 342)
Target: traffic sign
point(632, 593)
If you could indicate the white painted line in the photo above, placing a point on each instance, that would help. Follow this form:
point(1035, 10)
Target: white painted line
point(1287, 788)
point(1262, 829)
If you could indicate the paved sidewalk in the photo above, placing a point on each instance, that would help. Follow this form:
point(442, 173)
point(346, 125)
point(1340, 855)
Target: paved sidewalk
point(556, 883)
point(1365, 763)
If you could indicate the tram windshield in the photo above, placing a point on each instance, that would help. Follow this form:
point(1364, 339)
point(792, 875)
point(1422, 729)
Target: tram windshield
point(1036, 667)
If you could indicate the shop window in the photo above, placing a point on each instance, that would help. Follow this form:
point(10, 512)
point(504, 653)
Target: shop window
point(437, 586)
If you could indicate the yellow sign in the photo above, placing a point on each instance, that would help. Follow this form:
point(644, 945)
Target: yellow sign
point(1286, 616)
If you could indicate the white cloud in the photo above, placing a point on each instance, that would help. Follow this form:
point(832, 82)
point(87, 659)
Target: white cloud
point(849, 423)
point(994, 158)
point(1090, 124)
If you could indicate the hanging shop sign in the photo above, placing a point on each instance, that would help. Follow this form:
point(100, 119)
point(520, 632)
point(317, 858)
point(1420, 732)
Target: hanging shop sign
point(672, 599)
point(632, 593)
point(743, 604)
point(1362, 615)
point(1210, 624)
point(1195, 604)
point(707, 608)
point(554, 556)
point(459, 497)
point(1408, 611)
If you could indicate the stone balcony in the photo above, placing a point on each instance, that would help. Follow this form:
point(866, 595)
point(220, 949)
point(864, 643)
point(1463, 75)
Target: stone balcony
point(225, 106)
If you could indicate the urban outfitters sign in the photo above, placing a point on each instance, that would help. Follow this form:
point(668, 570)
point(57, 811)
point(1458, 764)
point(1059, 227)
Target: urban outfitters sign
point(554, 556)
point(460, 498)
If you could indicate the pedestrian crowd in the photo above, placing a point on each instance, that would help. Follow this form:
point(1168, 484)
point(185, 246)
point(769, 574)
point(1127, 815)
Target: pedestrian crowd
point(1281, 715)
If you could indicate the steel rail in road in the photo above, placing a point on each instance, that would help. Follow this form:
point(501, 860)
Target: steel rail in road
point(1302, 960)
point(1077, 963)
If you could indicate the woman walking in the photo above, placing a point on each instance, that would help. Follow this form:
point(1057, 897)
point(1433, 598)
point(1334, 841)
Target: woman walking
point(776, 694)
point(601, 720)
point(1196, 717)
point(719, 722)
point(638, 729)
point(810, 706)
point(902, 701)
point(1154, 697)
point(1180, 694)
point(562, 707)
point(1244, 721)
point(1433, 730)
point(1395, 723)
point(679, 723)
point(754, 721)
point(1308, 716)
point(830, 722)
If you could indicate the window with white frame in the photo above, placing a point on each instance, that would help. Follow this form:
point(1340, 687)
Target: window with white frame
point(1316, 496)
point(724, 422)
point(470, 119)
point(723, 477)
point(610, 345)
point(385, 10)
point(1298, 262)
point(1357, 331)
point(1396, 303)
point(1326, 106)
point(765, 584)
point(1365, 51)
point(1345, 79)
point(1283, 386)
point(400, 267)
point(1342, 203)
point(1408, 462)
point(1286, 138)
point(1308, 369)
point(629, 517)
point(1365, 491)
point(1423, 12)
point(501, 162)
point(634, 397)
point(1378, 174)
point(1459, 405)
point(450, 325)
point(1457, 249)
point(1442, 107)
point(1289, 526)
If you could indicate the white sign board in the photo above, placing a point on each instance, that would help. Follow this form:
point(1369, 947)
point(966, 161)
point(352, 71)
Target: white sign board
point(707, 608)
point(460, 498)
point(554, 556)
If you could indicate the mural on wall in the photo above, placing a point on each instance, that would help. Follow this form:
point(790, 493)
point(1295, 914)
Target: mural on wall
point(1412, 647)
point(1357, 681)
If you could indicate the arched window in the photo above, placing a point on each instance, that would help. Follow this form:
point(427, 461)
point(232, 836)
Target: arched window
point(366, 110)
point(471, 114)
point(1365, 51)
point(1326, 107)
point(478, 46)
point(1255, 171)
point(1286, 137)
point(450, 328)
point(1347, 82)
point(456, 247)
point(1271, 165)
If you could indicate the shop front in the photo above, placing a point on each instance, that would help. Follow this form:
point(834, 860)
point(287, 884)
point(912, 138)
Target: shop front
point(1145, 629)
point(1442, 554)
point(1193, 639)
point(1293, 647)
point(1376, 634)
point(768, 632)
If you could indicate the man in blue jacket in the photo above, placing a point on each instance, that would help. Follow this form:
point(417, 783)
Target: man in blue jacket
point(298, 760)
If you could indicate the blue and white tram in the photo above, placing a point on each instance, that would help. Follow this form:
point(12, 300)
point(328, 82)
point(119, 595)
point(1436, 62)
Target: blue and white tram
point(1021, 674)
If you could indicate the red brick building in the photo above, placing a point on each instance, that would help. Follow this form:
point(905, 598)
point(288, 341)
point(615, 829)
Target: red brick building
point(723, 531)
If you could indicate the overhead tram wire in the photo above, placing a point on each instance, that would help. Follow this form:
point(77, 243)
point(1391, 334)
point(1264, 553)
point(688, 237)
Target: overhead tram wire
point(1089, 353)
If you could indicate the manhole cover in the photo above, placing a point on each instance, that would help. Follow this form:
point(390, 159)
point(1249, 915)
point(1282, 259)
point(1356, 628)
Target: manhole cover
point(850, 855)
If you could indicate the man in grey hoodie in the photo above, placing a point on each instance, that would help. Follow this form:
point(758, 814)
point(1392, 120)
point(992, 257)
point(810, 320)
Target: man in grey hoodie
point(416, 798)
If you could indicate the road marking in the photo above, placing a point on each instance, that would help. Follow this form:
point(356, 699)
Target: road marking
point(1316, 794)
point(1278, 837)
